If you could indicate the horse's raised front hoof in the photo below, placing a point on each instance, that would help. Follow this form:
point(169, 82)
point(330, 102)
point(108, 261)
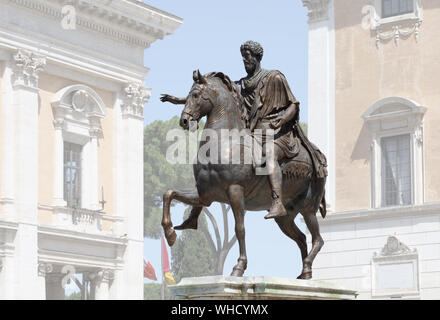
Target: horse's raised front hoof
point(305, 276)
point(189, 223)
point(171, 236)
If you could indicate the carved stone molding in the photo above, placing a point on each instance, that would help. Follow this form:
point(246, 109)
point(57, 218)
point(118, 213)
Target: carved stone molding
point(395, 27)
point(394, 247)
point(27, 65)
point(44, 268)
point(58, 123)
point(318, 10)
point(135, 95)
point(107, 18)
point(100, 275)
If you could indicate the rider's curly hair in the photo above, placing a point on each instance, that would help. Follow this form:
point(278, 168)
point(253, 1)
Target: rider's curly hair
point(254, 47)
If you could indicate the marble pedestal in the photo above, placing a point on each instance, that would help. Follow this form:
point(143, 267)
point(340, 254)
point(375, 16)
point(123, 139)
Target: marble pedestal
point(258, 288)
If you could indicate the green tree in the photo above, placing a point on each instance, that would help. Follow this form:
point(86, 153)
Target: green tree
point(304, 127)
point(152, 291)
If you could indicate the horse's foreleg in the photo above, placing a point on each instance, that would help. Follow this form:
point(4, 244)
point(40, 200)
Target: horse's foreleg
point(191, 198)
point(236, 199)
point(317, 243)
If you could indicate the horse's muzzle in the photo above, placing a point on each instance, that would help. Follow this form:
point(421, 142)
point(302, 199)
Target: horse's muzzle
point(185, 120)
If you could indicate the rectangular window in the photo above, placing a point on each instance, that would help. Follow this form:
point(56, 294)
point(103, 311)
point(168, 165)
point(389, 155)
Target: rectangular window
point(391, 8)
point(396, 170)
point(72, 174)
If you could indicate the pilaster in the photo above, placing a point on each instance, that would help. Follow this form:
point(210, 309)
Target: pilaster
point(321, 108)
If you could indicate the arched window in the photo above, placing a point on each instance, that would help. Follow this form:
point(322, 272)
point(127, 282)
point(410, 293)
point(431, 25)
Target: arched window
point(396, 126)
point(77, 111)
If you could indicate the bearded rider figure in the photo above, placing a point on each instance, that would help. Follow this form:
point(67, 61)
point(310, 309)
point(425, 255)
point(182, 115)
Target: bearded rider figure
point(271, 105)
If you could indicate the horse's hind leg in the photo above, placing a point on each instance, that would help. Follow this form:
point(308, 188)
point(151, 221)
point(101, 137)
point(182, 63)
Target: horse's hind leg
point(317, 243)
point(236, 200)
point(188, 197)
point(289, 228)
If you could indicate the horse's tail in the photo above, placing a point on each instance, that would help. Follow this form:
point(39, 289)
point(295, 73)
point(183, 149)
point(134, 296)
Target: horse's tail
point(323, 206)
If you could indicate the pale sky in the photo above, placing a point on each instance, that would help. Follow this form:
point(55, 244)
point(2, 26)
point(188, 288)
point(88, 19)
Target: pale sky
point(209, 39)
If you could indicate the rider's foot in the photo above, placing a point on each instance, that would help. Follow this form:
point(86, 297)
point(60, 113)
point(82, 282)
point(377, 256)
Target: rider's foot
point(190, 223)
point(277, 209)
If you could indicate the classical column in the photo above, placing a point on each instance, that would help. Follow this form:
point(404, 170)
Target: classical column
point(54, 287)
point(58, 183)
point(26, 66)
point(321, 96)
point(99, 285)
point(128, 283)
point(7, 143)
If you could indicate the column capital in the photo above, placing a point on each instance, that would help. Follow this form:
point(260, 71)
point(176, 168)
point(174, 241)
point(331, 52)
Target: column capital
point(44, 268)
point(27, 65)
point(134, 97)
point(318, 10)
point(58, 123)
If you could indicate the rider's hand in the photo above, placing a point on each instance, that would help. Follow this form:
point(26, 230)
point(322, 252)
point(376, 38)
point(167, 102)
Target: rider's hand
point(277, 122)
point(165, 98)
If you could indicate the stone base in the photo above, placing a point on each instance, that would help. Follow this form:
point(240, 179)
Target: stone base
point(258, 288)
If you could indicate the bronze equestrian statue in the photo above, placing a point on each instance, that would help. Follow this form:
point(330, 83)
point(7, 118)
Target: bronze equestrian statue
point(296, 177)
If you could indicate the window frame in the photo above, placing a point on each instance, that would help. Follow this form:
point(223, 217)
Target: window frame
point(382, 7)
point(379, 23)
point(392, 117)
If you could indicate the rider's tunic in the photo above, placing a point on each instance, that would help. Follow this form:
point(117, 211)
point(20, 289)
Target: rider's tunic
point(266, 95)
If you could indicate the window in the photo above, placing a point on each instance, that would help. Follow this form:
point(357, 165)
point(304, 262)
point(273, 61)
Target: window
point(396, 128)
point(396, 170)
point(72, 174)
point(391, 8)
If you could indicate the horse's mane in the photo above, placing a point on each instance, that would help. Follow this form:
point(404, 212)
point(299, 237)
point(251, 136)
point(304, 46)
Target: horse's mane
point(235, 92)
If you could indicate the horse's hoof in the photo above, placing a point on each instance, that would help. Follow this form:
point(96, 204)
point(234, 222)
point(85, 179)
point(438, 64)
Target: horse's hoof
point(187, 224)
point(236, 272)
point(305, 276)
point(171, 237)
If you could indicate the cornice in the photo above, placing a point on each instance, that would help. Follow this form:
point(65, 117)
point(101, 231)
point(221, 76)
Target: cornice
point(381, 213)
point(123, 20)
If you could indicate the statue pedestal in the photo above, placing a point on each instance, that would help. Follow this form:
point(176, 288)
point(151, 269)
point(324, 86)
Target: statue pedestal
point(258, 288)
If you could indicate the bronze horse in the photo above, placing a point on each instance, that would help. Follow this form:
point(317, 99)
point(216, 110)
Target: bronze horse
point(215, 96)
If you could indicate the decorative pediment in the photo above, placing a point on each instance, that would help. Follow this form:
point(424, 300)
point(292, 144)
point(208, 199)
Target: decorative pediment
point(394, 247)
point(79, 100)
point(394, 108)
point(78, 109)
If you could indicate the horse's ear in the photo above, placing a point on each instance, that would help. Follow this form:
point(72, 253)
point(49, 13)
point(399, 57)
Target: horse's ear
point(197, 77)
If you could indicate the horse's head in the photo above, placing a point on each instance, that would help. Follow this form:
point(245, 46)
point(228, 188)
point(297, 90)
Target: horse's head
point(198, 103)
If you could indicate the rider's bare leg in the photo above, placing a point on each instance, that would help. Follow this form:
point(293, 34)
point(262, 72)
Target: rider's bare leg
point(276, 181)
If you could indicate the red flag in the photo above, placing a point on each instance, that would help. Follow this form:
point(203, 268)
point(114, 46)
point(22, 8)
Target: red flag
point(166, 264)
point(149, 271)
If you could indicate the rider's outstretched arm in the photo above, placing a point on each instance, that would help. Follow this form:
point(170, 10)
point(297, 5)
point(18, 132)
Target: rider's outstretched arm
point(172, 99)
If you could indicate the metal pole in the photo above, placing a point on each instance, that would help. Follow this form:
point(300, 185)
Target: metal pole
point(162, 288)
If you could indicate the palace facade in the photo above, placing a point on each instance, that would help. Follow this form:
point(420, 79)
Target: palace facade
point(71, 150)
point(374, 111)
